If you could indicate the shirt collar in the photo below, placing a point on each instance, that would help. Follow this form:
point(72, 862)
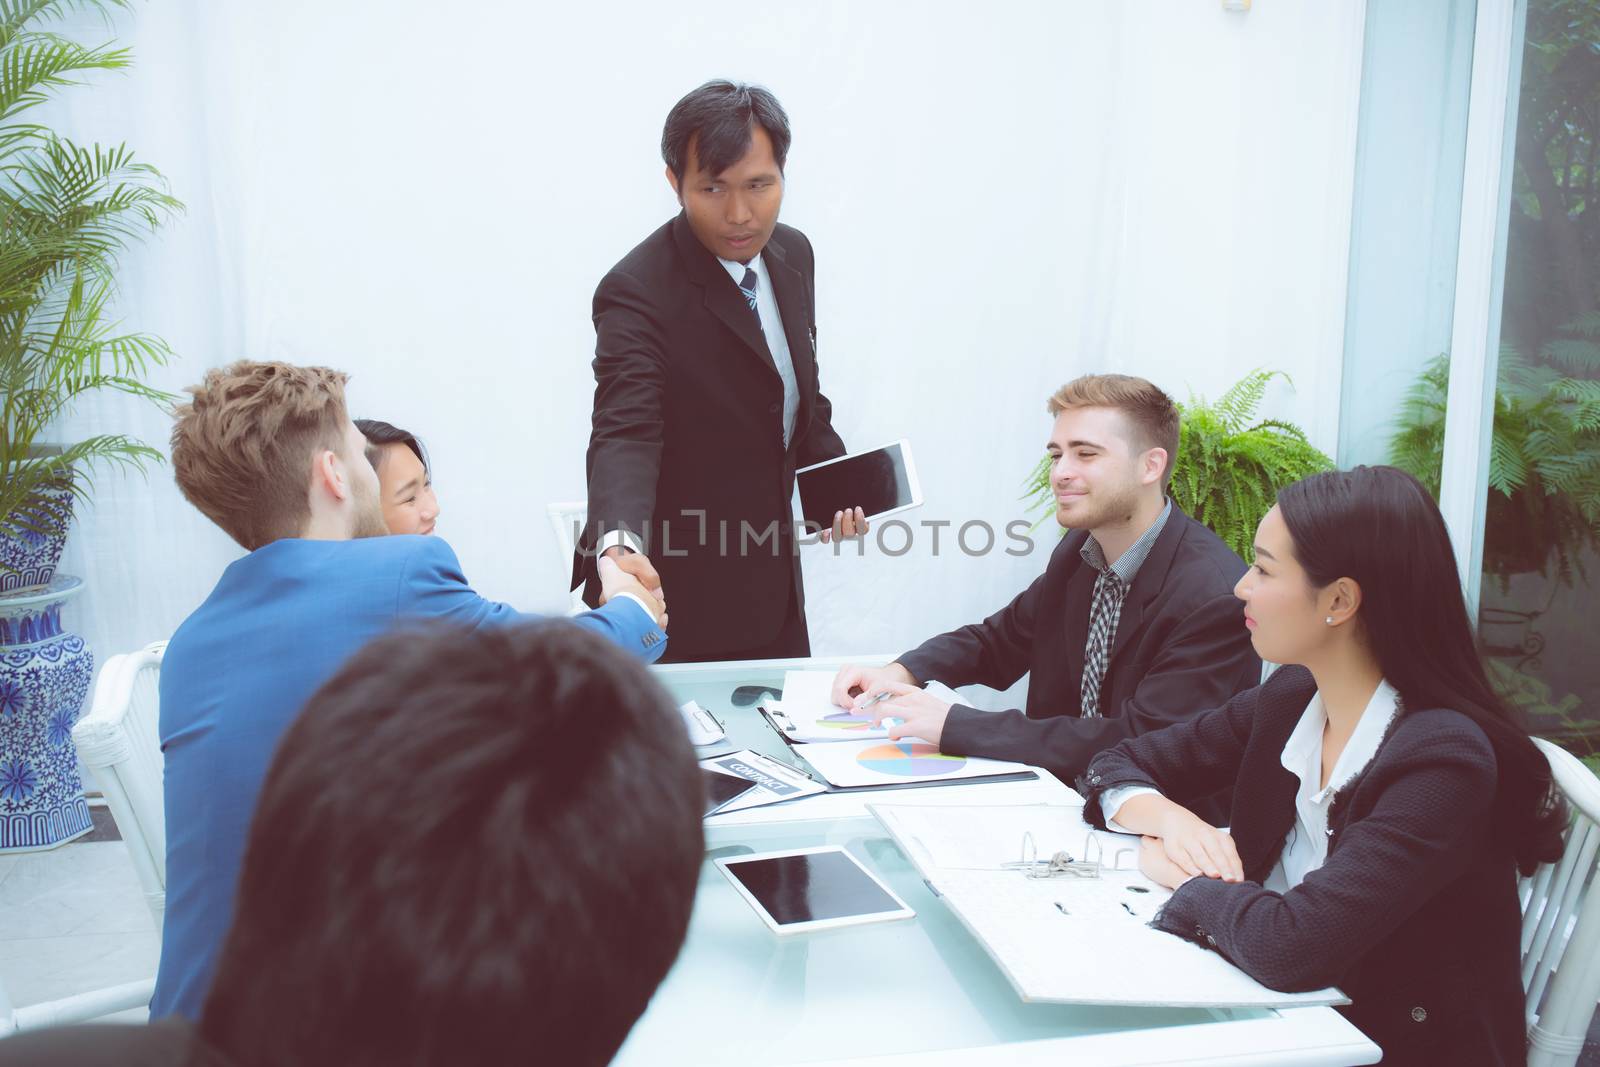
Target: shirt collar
point(736, 269)
point(1302, 753)
point(1127, 565)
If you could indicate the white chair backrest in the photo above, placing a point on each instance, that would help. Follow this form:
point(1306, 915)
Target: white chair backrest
point(120, 740)
point(567, 520)
point(1561, 924)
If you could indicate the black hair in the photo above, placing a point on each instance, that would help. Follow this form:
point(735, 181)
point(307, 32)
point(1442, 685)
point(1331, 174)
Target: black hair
point(1380, 527)
point(379, 433)
point(471, 847)
point(720, 119)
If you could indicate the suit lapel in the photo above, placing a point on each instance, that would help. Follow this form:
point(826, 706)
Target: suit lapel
point(1264, 807)
point(722, 297)
point(789, 288)
point(1259, 831)
point(1075, 601)
point(1147, 584)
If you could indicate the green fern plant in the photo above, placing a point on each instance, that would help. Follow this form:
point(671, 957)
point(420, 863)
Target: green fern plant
point(1544, 454)
point(1230, 465)
point(66, 212)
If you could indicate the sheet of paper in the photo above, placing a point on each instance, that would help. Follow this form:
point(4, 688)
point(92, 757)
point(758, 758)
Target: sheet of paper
point(1069, 940)
point(775, 781)
point(987, 837)
point(884, 762)
point(808, 714)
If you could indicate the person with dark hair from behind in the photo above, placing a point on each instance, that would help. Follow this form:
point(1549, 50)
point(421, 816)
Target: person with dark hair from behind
point(706, 395)
point(269, 453)
point(405, 478)
point(1385, 797)
point(441, 889)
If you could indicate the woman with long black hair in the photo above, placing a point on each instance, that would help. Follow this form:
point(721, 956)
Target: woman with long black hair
point(1385, 798)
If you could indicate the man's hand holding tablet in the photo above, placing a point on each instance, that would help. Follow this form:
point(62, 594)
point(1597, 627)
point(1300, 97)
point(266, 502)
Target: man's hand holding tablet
point(851, 523)
point(839, 496)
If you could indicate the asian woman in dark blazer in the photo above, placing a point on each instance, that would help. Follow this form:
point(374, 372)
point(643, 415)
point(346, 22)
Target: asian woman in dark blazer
point(1385, 798)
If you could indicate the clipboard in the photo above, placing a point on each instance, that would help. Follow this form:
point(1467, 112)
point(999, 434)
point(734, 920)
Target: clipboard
point(774, 716)
point(1008, 776)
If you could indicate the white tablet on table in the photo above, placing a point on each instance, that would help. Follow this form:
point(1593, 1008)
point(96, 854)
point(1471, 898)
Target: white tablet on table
point(881, 482)
point(805, 889)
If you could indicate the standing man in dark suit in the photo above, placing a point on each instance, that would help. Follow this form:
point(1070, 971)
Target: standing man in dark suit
point(1133, 625)
point(706, 395)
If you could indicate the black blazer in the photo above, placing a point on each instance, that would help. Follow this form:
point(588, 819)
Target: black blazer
point(686, 447)
point(1181, 648)
point(1415, 914)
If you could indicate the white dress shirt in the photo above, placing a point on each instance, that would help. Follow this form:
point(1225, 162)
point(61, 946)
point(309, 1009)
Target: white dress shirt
point(1306, 846)
point(777, 344)
point(772, 329)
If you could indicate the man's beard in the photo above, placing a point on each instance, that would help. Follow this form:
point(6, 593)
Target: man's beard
point(1107, 507)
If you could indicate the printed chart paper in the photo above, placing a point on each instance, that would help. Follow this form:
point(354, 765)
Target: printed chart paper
point(884, 762)
point(807, 712)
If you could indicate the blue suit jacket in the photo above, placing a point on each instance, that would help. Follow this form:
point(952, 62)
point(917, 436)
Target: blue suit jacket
point(279, 623)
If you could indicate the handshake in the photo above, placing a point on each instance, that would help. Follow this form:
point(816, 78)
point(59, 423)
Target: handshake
point(632, 572)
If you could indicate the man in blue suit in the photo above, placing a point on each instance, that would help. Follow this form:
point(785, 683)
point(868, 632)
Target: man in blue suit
point(269, 453)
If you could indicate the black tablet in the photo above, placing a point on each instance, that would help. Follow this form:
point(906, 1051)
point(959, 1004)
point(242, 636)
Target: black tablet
point(812, 889)
point(880, 482)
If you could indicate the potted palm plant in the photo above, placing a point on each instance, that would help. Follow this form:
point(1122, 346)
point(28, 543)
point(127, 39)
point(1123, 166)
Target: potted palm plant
point(1230, 464)
point(66, 212)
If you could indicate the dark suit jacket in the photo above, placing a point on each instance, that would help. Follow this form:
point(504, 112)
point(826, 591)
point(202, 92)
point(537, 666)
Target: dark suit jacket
point(687, 439)
point(1181, 648)
point(1415, 914)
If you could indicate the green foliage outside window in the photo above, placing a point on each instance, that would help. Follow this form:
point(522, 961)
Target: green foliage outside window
point(1544, 455)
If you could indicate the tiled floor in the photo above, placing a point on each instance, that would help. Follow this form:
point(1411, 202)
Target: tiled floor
point(71, 920)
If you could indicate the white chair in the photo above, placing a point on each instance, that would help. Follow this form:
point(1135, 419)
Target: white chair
point(74, 1009)
point(1561, 925)
point(567, 520)
point(119, 740)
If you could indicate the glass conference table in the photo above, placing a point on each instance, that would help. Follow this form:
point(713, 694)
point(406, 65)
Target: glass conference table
point(919, 992)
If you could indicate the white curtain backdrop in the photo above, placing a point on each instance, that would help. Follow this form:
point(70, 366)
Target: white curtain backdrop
point(1001, 197)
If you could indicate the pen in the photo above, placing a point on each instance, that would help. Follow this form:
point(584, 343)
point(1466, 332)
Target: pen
point(875, 700)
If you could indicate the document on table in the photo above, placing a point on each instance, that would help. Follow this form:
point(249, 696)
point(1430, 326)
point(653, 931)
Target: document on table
point(775, 782)
point(1069, 939)
point(856, 764)
point(807, 713)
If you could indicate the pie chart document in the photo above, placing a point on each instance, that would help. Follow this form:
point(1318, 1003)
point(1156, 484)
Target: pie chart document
point(807, 713)
point(849, 764)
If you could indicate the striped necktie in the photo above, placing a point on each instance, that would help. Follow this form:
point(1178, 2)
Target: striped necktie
point(748, 288)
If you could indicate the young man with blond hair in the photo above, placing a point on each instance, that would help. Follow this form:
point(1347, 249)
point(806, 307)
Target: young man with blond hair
point(1134, 616)
point(268, 452)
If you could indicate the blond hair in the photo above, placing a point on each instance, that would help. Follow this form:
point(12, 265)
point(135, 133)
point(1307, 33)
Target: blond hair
point(1150, 412)
point(241, 448)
